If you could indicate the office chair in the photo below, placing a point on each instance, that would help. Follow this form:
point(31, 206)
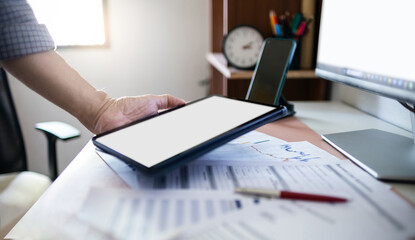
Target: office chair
point(19, 188)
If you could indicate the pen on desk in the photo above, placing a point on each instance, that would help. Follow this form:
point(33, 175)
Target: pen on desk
point(270, 193)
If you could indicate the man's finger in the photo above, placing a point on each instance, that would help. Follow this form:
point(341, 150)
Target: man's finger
point(169, 101)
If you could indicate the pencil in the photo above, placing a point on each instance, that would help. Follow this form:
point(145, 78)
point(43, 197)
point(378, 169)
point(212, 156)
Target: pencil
point(272, 17)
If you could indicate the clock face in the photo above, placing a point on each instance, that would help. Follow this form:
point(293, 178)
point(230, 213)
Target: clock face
point(242, 45)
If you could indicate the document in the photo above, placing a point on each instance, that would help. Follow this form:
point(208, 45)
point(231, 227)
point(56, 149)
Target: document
point(255, 147)
point(373, 212)
point(270, 150)
point(281, 222)
point(127, 214)
point(259, 146)
point(254, 137)
point(226, 175)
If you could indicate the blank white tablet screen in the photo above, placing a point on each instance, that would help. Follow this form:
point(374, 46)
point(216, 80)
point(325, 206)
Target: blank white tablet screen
point(160, 138)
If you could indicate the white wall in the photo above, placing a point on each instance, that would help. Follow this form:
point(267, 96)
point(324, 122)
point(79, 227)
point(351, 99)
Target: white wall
point(384, 108)
point(156, 46)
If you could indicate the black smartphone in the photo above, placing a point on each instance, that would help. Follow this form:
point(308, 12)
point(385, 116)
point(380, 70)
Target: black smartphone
point(269, 76)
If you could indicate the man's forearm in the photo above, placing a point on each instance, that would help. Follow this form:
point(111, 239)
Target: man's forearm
point(48, 74)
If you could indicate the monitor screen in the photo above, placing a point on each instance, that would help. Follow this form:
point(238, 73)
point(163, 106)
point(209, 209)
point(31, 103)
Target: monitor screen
point(369, 44)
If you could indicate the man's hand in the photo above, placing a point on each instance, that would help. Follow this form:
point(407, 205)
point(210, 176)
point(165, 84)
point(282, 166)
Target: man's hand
point(118, 112)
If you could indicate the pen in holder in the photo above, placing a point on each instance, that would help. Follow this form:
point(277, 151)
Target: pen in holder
point(285, 26)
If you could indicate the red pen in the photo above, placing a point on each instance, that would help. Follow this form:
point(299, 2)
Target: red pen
point(270, 193)
point(301, 28)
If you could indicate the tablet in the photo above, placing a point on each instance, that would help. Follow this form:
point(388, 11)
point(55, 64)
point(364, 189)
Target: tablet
point(176, 136)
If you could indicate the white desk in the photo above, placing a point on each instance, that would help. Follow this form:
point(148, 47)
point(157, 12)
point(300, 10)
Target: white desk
point(54, 215)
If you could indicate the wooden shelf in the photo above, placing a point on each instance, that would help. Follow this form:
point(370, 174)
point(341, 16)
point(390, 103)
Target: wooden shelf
point(218, 61)
point(301, 84)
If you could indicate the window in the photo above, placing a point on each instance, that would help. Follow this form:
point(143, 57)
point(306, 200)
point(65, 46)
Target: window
point(72, 22)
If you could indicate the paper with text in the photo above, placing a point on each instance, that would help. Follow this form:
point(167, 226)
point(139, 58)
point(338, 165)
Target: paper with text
point(373, 212)
point(127, 214)
point(254, 147)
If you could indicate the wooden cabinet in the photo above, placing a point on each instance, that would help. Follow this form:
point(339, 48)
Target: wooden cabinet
point(300, 84)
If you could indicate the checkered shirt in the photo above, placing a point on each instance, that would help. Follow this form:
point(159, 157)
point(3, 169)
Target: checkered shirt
point(20, 33)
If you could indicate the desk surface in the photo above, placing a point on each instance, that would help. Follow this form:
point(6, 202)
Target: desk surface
point(61, 202)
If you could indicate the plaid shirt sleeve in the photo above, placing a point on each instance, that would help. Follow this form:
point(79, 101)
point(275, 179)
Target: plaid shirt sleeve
point(20, 33)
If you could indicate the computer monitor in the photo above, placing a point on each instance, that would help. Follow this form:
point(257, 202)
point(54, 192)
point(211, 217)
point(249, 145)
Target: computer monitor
point(370, 45)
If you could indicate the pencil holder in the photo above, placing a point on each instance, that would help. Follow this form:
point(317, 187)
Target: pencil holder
point(290, 27)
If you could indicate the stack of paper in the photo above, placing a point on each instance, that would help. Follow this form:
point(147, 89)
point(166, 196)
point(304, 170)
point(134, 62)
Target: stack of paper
point(197, 200)
point(150, 214)
point(373, 212)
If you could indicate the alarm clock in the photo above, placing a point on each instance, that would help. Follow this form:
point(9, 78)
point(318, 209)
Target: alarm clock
point(242, 45)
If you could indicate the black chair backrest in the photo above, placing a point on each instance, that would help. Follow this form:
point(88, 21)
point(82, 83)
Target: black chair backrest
point(12, 149)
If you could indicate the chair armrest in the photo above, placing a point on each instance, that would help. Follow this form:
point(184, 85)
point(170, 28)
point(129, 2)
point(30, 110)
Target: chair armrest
point(54, 131)
point(59, 130)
